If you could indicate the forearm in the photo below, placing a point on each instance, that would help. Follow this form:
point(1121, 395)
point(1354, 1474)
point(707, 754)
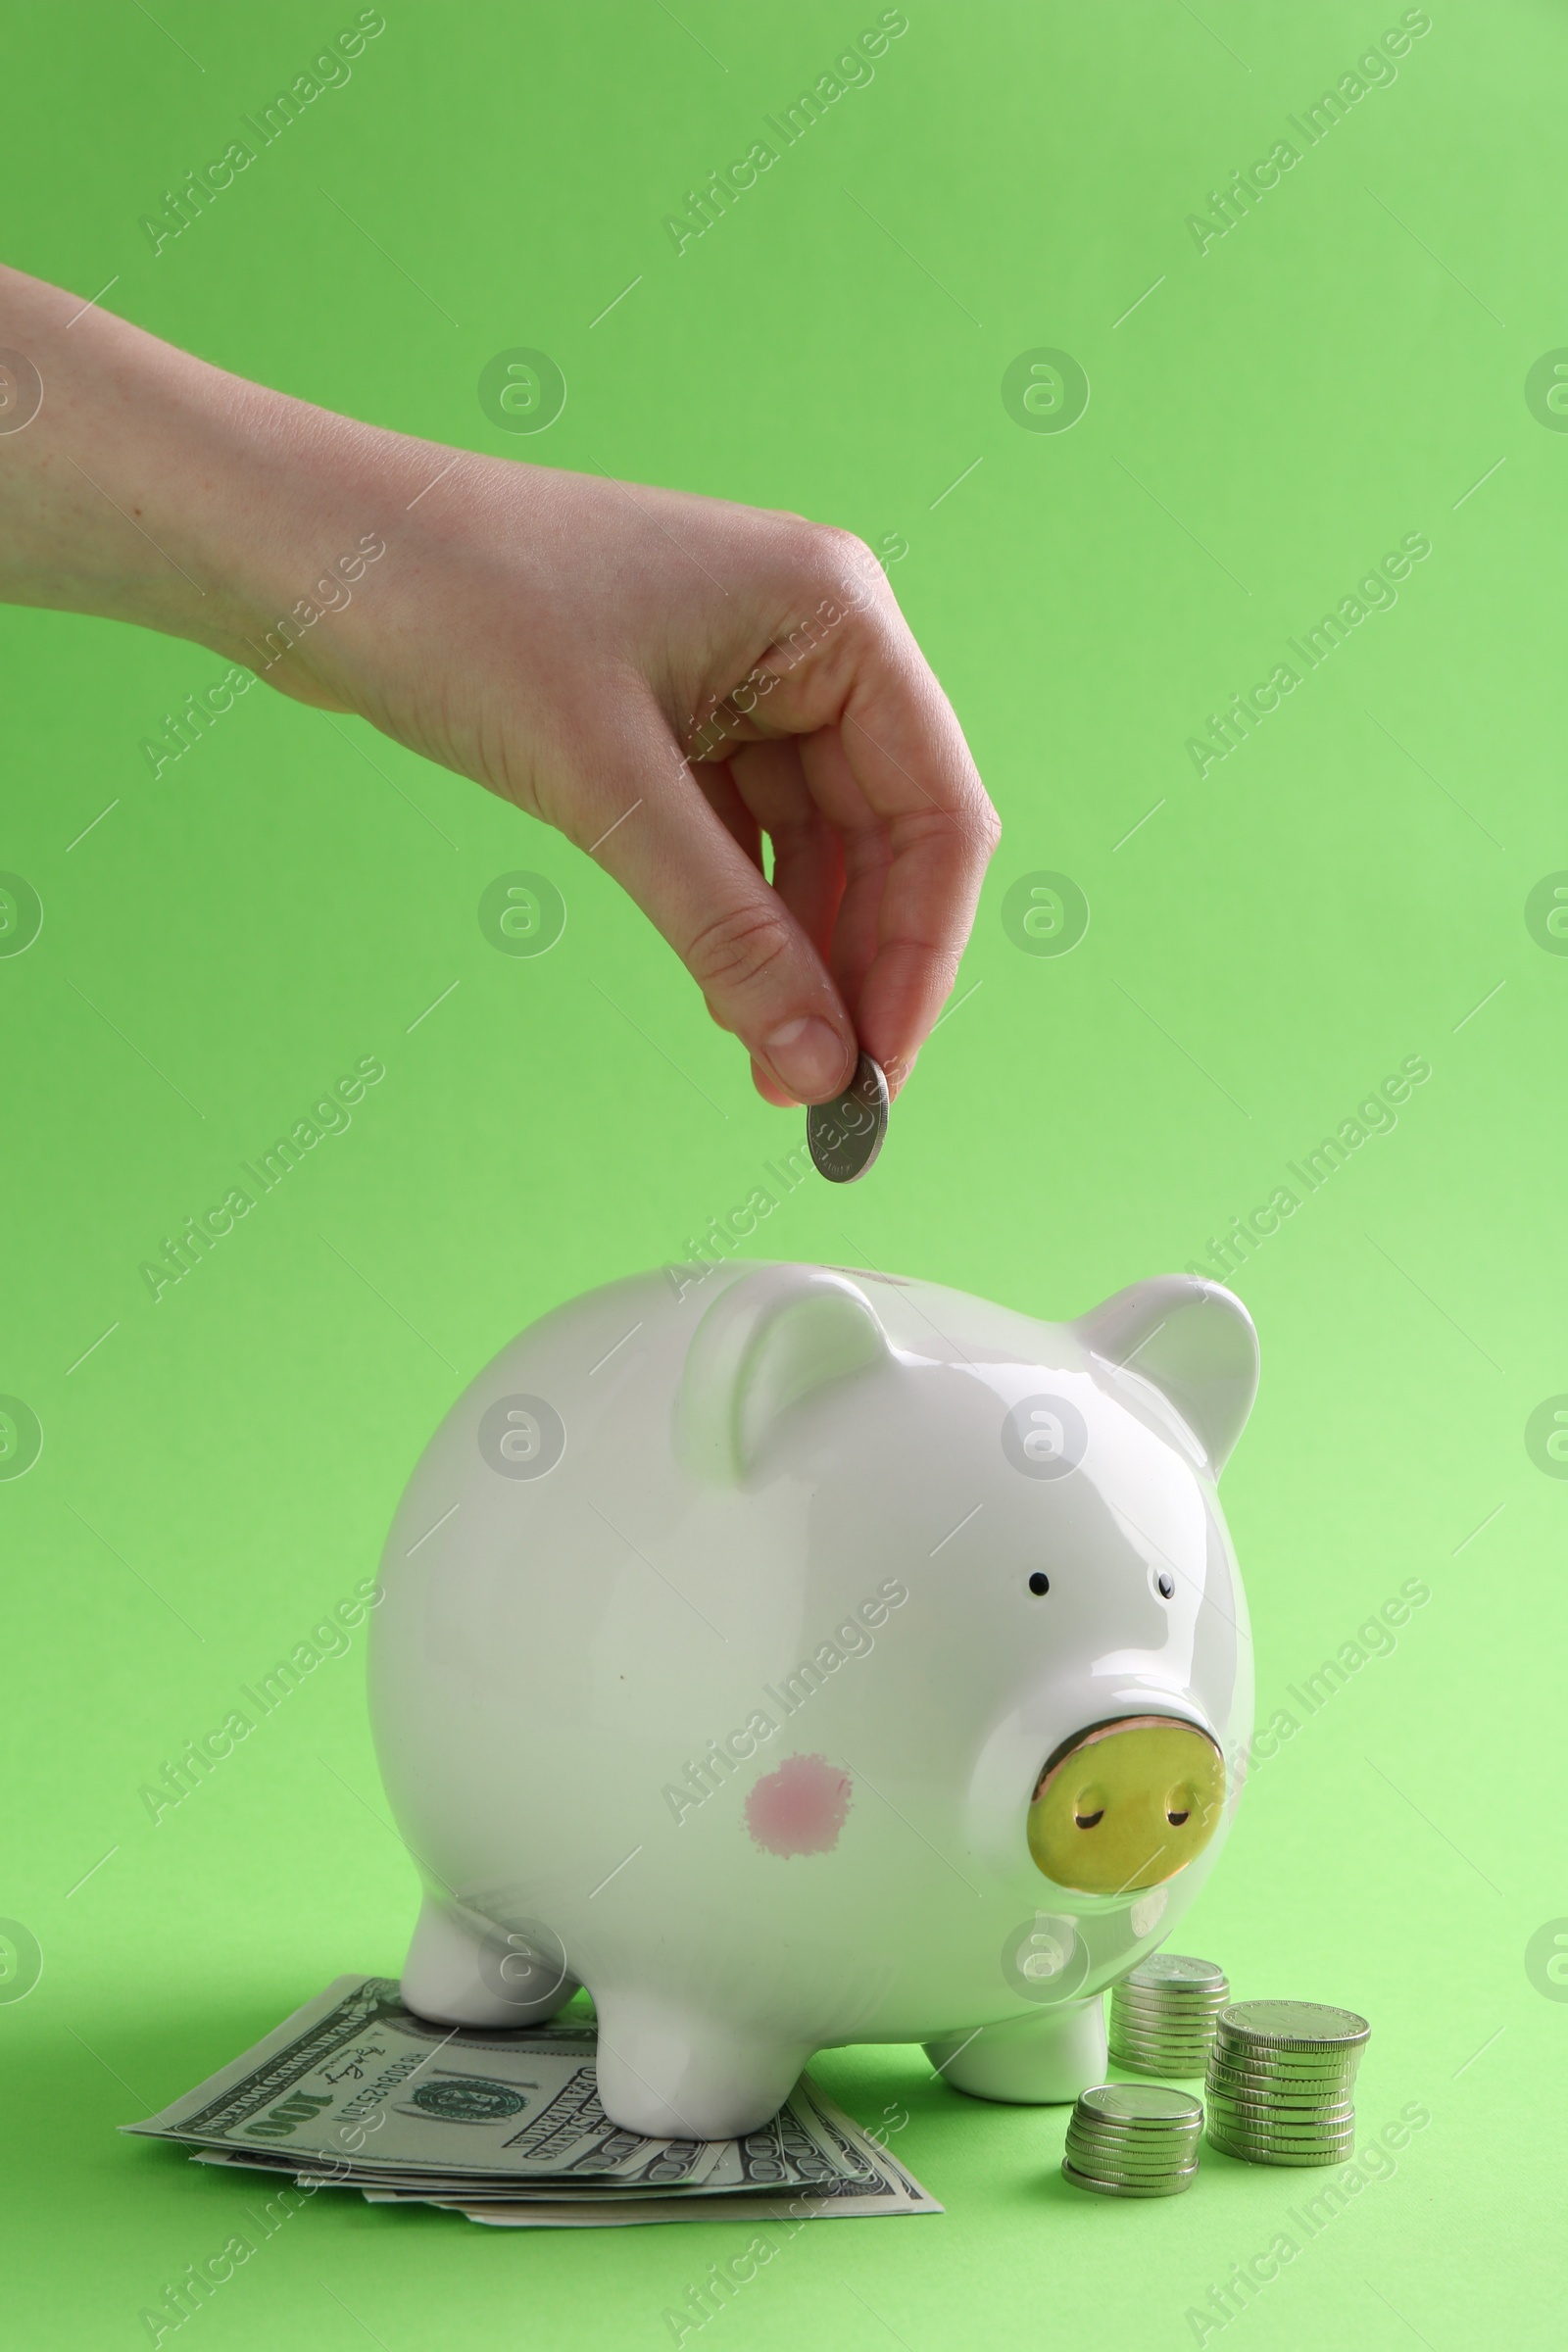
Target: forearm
point(153, 488)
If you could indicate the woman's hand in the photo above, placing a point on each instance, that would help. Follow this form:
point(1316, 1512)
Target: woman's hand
point(666, 680)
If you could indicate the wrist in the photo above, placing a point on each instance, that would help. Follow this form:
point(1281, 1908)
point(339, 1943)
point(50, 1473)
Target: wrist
point(283, 513)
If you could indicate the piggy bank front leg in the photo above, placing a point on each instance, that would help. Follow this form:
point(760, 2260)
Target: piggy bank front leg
point(462, 1972)
point(1035, 2061)
point(679, 2072)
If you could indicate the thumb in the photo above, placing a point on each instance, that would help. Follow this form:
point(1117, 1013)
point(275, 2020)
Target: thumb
point(762, 978)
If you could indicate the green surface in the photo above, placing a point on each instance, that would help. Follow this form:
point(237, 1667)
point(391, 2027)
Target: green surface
point(1346, 890)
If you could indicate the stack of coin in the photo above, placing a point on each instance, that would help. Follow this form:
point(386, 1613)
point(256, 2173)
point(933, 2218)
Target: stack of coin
point(1133, 2139)
point(1279, 2078)
point(1162, 2014)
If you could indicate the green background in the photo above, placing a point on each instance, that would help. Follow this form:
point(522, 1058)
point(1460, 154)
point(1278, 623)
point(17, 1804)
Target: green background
point(1341, 892)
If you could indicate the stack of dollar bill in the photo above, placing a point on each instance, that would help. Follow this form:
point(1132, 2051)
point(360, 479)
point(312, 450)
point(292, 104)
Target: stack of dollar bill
point(353, 2091)
point(1279, 2078)
point(1133, 2139)
point(1162, 2014)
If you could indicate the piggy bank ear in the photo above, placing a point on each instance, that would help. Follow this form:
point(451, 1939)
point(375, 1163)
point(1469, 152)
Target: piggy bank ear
point(769, 1341)
point(1193, 1341)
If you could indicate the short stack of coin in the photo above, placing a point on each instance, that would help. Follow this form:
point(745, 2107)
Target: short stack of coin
point(1133, 2139)
point(1279, 2078)
point(1162, 2014)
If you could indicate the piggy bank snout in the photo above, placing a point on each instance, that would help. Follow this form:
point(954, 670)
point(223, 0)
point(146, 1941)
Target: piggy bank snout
point(1127, 1804)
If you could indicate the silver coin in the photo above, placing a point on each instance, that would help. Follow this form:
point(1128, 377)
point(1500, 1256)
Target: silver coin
point(1282, 2076)
point(1320, 2056)
point(1138, 2147)
point(1127, 2167)
point(1285, 2053)
point(844, 1136)
point(1284, 2070)
point(1136, 2137)
point(1167, 2005)
point(1136, 2103)
point(1328, 2098)
point(1176, 2006)
point(1153, 2047)
point(1094, 2168)
point(1126, 2188)
point(1161, 2037)
point(1236, 2124)
point(1260, 2150)
point(1145, 2028)
point(1147, 2017)
point(1141, 2127)
point(1144, 2018)
point(1270, 2082)
point(1144, 2001)
point(1156, 2063)
point(1095, 2156)
point(1176, 2013)
point(1253, 2155)
point(1275, 2070)
point(1297, 2089)
point(1239, 2116)
point(1327, 2134)
point(1157, 2057)
point(1174, 1972)
point(1153, 2051)
point(1178, 1991)
point(1151, 2037)
point(1152, 2147)
point(1254, 2102)
point(1156, 2038)
point(1296, 2026)
point(1179, 2070)
point(1151, 2136)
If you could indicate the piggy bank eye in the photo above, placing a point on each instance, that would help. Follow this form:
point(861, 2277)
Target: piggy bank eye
point(1165, 1585)
point(1040, 1581)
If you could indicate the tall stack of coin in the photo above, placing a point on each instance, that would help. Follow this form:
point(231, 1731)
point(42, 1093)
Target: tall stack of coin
point(1280, 2079)
point(1133, 2139)
point(1162, 2014)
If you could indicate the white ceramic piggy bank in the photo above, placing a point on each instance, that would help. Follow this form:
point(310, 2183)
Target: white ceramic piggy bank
point(796, 1656)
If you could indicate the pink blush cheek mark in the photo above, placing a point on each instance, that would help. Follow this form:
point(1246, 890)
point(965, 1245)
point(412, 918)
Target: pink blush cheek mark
point(798, 1809)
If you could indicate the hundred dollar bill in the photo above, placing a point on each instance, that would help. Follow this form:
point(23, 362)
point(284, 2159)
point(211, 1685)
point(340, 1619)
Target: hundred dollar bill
point(542, 2213)
point(867, 2181)
point(879, 2185)
point(810, 2145)
point(835, 2161)
point(354, 2083)
point(355, 2091)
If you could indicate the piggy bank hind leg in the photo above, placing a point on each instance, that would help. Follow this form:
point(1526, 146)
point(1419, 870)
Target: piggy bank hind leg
point(1030, 2061)
point(679, 2072)
point(460, 1972)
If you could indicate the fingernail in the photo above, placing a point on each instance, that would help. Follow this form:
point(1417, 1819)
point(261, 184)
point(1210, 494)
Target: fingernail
point(808, 1057)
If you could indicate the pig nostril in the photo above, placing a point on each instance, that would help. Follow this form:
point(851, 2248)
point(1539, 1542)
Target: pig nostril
point(1090, 1821)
